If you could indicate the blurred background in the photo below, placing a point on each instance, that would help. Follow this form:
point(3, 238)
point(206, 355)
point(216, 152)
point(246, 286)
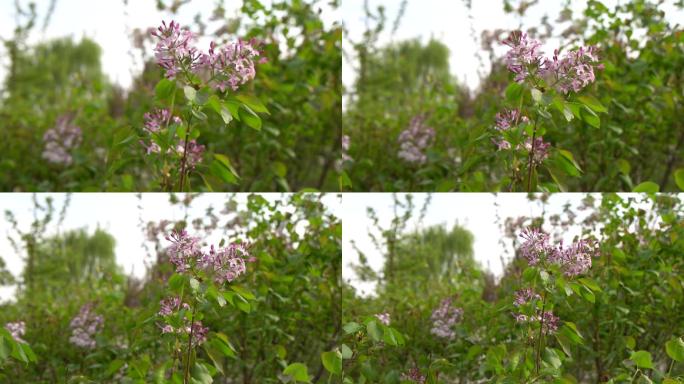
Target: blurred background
point(92, 63)
point(438, 65)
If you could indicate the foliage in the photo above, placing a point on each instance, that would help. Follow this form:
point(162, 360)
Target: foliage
point(279, 132)
point(284, 310)
point(619, 321)
point(614, 135)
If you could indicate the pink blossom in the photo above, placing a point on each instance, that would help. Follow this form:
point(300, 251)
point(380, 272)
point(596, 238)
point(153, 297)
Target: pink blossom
point(170, 305)
point(84, 326)
point(195, 152)
point(17, 330)
point(523, 56)
point(524, 296)
point(444, 317)
point(574, 71)
point(232, 65)
point(414, 140)
point(541, 149)
point(174, 50)
point(384, 318)
point(182, 249)
point(61, 140)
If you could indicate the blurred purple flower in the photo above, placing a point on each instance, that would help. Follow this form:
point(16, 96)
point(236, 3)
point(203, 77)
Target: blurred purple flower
point(195, 152)
point(414, 140)
point(170, 305)
point(535, 245)
point(384, 318)
point(84, 327)
point(541, 149)
point(17, 330)
point(444, 317)
point(227, 263)
point(524, 296)
point(413, 375)
point(60, 140)
point(509, 118)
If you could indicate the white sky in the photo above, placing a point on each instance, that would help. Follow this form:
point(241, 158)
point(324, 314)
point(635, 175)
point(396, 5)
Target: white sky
point(116, 213)
point(105, 21)
point(475, 211)
point(448, 22)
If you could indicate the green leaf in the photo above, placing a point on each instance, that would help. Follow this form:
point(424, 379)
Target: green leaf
point(114, 367)
point(590, 117)
point(630, 343)
point(569, 157)
point(199, 115)
point(190, 93)
point(225, 161)
point(642, 359)
point(552, 358)
point(219, 170)
point(536, 95)
point(201, 375)
point(514, 93)
point(332, 361)
point(164, 89)
point(352, 327)
point(593, 103)
point(250, 118)
point(647, 187)
point(253, 102)
point(675, 349)
point(346, 352)
point(243, 306)
point(679, 178)
point(589, 283)
point(298, 371)
point(244, 292)
point(374, 330)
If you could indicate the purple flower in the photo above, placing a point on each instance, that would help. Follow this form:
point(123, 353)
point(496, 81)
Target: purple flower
point(17, 330)
point(444, 317)
point(61, 140)
point(171, 305)
point(414, 140)
point(535, 245)
point(232, 65)
point(549, 322)
point(174, 50)
point(524, 296)
point(523, 56)
point(541, 149)
point(509, 118)
point(182, 249)
point(574, 71)
point(383, 318)
point(520, 318)
point(501, 144)
point(155, 120)
point(195, 152)
point(413, 375)
point(199, 332)
point(227, 263)
point(576, 259)
point(84, 326)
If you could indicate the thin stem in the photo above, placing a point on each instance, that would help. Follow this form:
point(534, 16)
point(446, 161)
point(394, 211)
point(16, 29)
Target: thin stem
point(541, 328)
point(185, 156)
point(192, 329)
point(530, 158)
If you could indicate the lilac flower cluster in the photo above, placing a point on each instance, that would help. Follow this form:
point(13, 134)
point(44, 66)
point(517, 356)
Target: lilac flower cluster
point(574, 71)
point(61, 140)
point(510, 118)
point(160, 117)
point(228, 66)
point(170, 306)
point(414, 140)
point(195, 152)
point(17, 330)
point(414, 375)
point(539, 149)
point(524, 296)
point(549, 321)
point(524, 56)
point(225, 264)
point(444, 317)
point(84, 327)
point(573, 260)
point(383, 318)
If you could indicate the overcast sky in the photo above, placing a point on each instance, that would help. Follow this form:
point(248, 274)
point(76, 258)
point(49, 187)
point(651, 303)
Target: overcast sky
point(475, 211)
point(448, 22)
point(106, 22)
point(116, 213)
